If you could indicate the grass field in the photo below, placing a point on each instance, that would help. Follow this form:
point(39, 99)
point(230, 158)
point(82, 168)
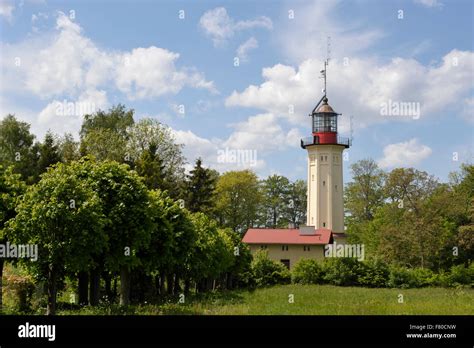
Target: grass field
point(309, 300)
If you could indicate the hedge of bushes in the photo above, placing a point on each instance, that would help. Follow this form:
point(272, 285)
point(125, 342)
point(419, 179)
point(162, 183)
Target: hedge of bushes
point(350, 272)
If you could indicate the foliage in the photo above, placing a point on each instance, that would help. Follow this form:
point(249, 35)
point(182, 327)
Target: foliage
point(268, 272)
point(373, 274)
point(295, 209)
point(104, 134)
point(17, 148)
point(342, 271)
point(148, 134)
point(48, 153)
point(307, 271)
point(201, 186)
point(238, 197)
point(275, 191)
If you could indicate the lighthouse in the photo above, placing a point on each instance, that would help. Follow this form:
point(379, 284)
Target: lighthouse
point(325, 204)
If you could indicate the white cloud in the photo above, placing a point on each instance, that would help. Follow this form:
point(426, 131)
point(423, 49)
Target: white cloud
point(68, 63)
point(65, 115)
point(243, 49)
point(292, 93)
point(260, 132)
point(6, 9)
point(404, 154)
point(260, 135)
point(305, 36)
point(151, 72)
point(220, 27)
point(430, 3)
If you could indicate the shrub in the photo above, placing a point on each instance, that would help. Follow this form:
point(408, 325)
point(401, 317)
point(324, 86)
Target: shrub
point(402, 277)
point(461, 275)
point(373, 274)
point(341, 271)
point(22, 287)
point(268, 272)
point(307, 271)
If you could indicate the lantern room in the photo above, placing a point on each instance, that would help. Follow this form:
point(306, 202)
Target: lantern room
point(324, 122)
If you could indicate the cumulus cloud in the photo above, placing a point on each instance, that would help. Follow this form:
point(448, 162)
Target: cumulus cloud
point(220, 27)
point(244, 48)
point(360, 87)
point(6, 9)
point(65, 115)
point(69, 63)
point(305, 36)
point(151, 72)
point(259, 136)
point(404, 154)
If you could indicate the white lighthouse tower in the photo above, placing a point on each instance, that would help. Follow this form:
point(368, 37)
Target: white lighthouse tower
point(325, 204)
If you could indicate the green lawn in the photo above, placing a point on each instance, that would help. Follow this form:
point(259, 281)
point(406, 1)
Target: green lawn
point(310, 300)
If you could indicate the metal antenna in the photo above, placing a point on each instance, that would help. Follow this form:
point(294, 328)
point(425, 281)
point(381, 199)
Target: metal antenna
point(350, 126)
point(326, 63)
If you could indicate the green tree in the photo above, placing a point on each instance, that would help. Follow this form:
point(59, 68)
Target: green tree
point(295, 210)
point(48, 153)
point(238, 198)
point(150, 167)
point(201, 186)
point(275, 191)
point(68, 148)
point(62, 215)
point(365, 193)
point(17, 148)
point(124, 200)
point(211, 255)
point(105, 134)
point(11, 189)
point(148, 134)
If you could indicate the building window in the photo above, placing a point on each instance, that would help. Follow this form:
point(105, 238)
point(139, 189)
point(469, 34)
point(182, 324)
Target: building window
point(336, 187)
point(263, 247)
point(312, 177)
point(306, 248)
point(324, 224)
point(324, 183)
point(325, 158)
point(321, 158)
point(286, 262)
point(284, 247)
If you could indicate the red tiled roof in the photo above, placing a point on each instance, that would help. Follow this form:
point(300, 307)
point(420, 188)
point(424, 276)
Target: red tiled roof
point(285, 236)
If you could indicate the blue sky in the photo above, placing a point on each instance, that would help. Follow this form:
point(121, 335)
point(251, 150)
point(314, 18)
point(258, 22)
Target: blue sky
point(182, 72)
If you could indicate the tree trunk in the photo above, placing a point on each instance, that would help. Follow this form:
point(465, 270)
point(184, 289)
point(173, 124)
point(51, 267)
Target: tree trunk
point(187, 285)
point(108, 285)
point(162, 283)
point(94, 287)
point(52, 290)
point(124, 286)
point(176, 287)
point(83, 287)
point(169, 283)
point(1, 284)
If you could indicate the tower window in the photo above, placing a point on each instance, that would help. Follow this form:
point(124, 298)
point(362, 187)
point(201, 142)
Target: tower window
point(324, 224)
point(312, 177)
point(324, 183)
point(336, 187)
